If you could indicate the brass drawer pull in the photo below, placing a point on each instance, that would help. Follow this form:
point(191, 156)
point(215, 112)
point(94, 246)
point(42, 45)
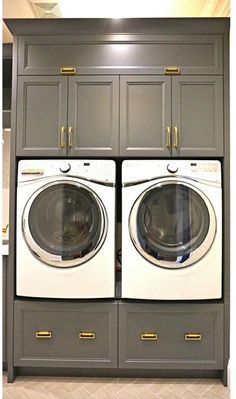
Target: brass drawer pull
point(87, 335)
point(43, 334)
point(62, 137)
point(68, 71)
point(172, 71)
point(149, 336)
point(168, 137)
point(176, 137)
point(70, 137)
point(193, 337)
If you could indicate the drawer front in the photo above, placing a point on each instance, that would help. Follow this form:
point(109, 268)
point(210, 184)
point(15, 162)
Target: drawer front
point(79, 335)
point(193, 54)
point(176, 336)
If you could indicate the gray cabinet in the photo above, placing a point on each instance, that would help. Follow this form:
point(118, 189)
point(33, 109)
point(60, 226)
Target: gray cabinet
point(4, 310)
point(142, 51)
point(145, 115)
point(177, 336)
point(171, 115)
point(61, 115)
point(65, 334)
point(41, 114)
point(93, 115)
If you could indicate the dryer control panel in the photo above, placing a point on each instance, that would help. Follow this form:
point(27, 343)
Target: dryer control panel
point(144, 170)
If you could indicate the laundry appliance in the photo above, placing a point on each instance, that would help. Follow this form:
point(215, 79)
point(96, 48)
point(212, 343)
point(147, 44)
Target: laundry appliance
point(171, 229)
point(65, 230)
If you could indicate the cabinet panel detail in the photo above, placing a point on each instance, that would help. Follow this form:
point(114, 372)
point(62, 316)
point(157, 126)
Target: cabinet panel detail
point(186, 336)
point(194, 54)
point(197, 113)
point(76, 335)
point(145, 115)
point(93, 112)
point(41, 111)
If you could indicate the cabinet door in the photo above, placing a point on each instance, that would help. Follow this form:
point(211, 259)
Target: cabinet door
point(93, 115)
point(197, 114)
point(171, 336)
point(145, 115)
point(41, 113)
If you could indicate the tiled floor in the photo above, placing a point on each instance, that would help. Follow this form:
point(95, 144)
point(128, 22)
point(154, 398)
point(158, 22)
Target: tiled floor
point(113, 388)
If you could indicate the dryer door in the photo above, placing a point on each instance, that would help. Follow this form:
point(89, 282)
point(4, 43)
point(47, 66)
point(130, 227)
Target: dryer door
point(172, 224)
point(64, 223)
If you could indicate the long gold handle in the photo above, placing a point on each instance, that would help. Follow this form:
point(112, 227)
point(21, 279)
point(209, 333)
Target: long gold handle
point(62, 136)
point(168, 137)
point(148, 336)
point(87, 335)
point(176, 137)
point(193, 337)
point(70, 137)
point(43, 334)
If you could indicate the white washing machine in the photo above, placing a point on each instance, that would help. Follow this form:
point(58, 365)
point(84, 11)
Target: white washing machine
point(171, 229)
point(65, 229)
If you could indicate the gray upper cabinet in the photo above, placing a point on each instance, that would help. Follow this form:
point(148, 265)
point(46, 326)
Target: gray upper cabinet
point(145, 115)
point(61, 115)
point(93, 113)
point(120, 54)
point(197, 115)
point(41, 113)
point(172, 116)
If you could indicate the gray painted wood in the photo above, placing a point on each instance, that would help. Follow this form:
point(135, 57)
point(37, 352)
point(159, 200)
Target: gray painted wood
point(72, 26)
point(171, 322)
point(145, 115)
point(4, 312)
point(66, 321)
point(93, 114)
point(12, 227)
point(41, 111)
point(197, 111)
point(226, 212)
point(194, 54)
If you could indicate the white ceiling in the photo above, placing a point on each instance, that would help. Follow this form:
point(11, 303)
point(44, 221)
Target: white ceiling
point(119, 9)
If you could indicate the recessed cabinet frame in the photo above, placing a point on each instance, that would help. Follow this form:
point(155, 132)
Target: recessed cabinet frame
point(67, 116)
point(171, 116)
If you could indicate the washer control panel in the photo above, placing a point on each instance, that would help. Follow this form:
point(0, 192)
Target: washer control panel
point(94, 170)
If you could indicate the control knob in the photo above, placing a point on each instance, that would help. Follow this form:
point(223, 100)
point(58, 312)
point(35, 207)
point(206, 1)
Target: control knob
point(172, 167)
point(65, 167)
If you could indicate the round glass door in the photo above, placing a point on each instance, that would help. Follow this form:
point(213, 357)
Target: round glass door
point(172, 225)
point(64, 223)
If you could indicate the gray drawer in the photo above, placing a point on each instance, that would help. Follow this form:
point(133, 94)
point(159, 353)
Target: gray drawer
point(194, 54)
point(171, 336)
point(63, 334)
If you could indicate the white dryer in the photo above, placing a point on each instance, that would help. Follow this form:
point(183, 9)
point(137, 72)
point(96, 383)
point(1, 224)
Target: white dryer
point(65, 233)
point(171, 229)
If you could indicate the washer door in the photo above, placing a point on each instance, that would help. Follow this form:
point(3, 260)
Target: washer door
point(64, 223)
point(172, 224)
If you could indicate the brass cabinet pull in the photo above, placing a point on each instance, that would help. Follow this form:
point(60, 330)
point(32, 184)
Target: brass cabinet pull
point(193, 337)
point(176, 137)
point(87, 335)
point(168, 137)
point(149, 336)
point(62, 136)
point(172, 71)
point(68, 71)
point(43, 334)
point(70, 137)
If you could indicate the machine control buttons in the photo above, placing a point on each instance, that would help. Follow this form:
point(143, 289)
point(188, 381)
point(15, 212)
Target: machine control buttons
point(172, 167)
point(65, 167)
